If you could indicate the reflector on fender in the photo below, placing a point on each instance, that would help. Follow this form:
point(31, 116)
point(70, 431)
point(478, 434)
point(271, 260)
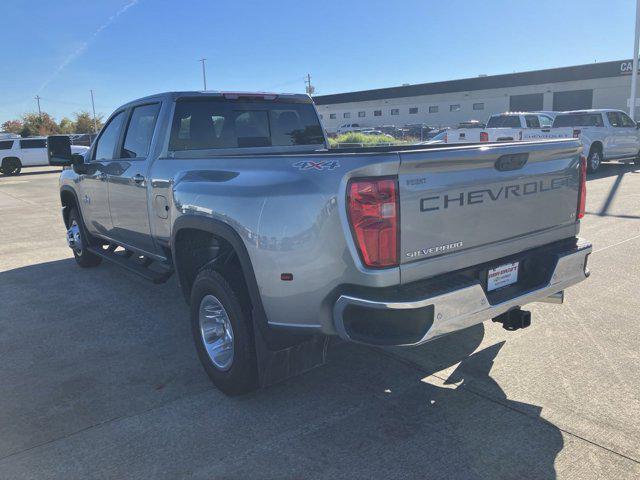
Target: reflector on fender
point(582, 187)
point(373, 214)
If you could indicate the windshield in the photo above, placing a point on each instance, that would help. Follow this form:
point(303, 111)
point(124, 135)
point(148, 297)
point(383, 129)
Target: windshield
point(579, 120)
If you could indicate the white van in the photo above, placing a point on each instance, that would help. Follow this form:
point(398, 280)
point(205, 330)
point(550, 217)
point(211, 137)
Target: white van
point(26, 152)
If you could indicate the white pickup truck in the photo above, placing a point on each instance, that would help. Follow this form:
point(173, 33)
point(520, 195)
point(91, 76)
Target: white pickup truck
point(605, 135)
point(16, 153)
point(511, 126)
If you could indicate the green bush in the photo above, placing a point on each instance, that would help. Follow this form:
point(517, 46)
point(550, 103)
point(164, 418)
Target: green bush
point(361, 138)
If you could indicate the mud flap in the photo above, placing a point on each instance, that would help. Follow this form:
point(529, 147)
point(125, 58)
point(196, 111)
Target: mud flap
point(276, 365)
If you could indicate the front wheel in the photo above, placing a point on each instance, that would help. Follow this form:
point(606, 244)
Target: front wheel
point(11, 166)
point(593, 161)
point(222, 334)
point(78, 240)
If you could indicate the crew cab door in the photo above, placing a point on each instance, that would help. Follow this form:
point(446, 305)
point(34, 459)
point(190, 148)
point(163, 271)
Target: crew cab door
point(629, 143)
point(614, 141)
point(94, 193)
point(128, 182)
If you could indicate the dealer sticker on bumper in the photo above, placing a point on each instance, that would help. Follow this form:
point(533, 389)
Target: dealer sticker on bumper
point(502, 276)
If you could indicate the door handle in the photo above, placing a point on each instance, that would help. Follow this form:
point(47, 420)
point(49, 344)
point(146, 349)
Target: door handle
point(137, 178)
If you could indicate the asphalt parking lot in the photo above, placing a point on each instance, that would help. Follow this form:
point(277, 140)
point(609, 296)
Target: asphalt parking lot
point(99, 377)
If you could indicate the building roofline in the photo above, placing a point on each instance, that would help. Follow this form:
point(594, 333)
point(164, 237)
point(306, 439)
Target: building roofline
point(534, 77)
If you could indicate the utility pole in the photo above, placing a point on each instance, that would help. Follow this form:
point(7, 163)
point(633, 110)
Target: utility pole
point(634, 72)
point(93, 106)
point(310, 89)
point(40, 111)
point(204, 73)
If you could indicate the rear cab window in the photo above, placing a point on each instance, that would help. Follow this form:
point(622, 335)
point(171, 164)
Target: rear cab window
point(578, 120)
point(504, 121)
point(201, 123)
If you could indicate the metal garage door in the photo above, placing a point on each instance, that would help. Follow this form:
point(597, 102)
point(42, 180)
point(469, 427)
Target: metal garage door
point(530, 102)
point(572, 100)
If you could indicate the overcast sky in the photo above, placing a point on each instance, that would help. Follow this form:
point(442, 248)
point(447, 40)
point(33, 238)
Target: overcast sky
point(125, 49)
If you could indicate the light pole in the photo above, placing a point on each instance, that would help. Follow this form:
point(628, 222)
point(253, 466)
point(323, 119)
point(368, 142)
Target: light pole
point(40, 111)
point(634, 72)
point(204, 73)
point(93, 106)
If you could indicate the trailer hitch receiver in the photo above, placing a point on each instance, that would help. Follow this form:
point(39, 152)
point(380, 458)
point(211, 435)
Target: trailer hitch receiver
point(514, 319)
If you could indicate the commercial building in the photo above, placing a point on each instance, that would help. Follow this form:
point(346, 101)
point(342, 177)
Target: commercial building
point(595, 85)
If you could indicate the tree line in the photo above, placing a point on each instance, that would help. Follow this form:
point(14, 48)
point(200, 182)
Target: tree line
point(34, 124)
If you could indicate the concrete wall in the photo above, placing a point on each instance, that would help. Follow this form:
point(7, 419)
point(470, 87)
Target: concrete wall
point(610, 92)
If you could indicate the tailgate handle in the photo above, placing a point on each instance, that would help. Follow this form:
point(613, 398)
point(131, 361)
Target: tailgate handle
point(513, 161)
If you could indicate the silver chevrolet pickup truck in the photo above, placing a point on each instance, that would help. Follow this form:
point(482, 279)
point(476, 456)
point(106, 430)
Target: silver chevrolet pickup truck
point(280, 243)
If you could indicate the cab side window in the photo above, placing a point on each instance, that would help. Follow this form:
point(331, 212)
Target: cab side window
point(545, 121)
point(6, 145)
point(140, 131)
point(614, 119)
point(626, 120)
point(532, 121)
point(106, 144)
point(33, 143)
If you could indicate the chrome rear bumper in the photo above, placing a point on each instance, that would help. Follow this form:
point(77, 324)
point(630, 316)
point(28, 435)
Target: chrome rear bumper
point(462, 307)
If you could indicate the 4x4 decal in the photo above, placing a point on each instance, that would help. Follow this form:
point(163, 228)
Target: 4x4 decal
point(317, 165)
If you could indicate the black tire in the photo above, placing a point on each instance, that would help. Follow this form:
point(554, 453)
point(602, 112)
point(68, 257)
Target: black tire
point(594, 160)
point(636, 160)
point(241, 376)
point(10, 166)
point(83, 257)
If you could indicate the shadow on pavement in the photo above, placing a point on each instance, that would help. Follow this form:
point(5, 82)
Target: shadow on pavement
point(29, 171)
point(612, 169)
point(99, 357)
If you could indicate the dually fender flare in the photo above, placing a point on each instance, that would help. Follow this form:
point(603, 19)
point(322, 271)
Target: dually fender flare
point(227, 233)
point(65, 211)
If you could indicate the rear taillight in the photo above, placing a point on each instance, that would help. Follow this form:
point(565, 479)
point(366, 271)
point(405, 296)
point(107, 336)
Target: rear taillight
point(484, 137)
point(446, 136)
point(373, 213)
point(582, 188)
point(576, 133)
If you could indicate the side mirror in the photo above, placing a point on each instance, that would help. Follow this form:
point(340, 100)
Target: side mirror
point(59, 150)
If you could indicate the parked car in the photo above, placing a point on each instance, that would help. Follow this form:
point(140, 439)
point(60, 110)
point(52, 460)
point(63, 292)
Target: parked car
point(377, 132)
point(440, 138)
point(351, 127)
point(278, 242)
point(417, 130)
point(606, 135)
point(26, 152)
point(510, 126)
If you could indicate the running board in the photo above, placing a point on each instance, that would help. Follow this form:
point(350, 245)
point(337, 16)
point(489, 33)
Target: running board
point(130, 262)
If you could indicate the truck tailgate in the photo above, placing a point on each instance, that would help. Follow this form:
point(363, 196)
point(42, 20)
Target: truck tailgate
point(466, 205)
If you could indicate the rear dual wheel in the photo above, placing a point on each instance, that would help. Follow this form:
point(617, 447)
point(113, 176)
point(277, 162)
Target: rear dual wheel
point(222, 334)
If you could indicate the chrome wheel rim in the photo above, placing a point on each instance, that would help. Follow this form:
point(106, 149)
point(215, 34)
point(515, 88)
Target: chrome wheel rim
point(595, 160)
point(74, 239)
point(216, 332)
